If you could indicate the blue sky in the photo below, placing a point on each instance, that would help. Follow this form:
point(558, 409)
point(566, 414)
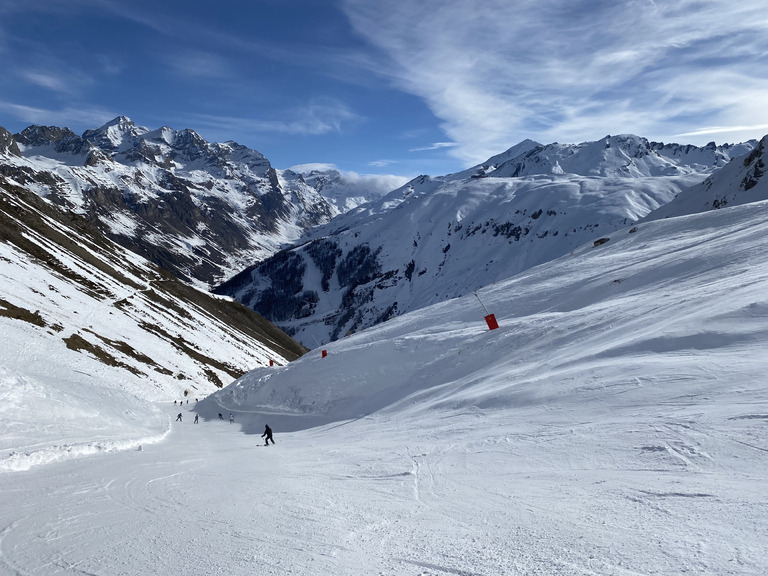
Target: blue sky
point(390, 86)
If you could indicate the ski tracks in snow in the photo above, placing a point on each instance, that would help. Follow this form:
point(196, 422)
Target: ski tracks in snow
point(466, 496)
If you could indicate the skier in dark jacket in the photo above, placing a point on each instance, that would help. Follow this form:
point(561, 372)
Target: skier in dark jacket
point(178, 418)
point(268, 434)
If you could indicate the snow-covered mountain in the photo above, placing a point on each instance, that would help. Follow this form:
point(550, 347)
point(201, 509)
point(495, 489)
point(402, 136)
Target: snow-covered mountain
point(740, 182)
point(437, 238)
point(109, 324)
point(201, 210)
point(613, 425)
point(347, 191)
point(613, 156)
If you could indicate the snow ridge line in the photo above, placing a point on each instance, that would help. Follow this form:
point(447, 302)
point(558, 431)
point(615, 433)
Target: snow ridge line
point(22, 461)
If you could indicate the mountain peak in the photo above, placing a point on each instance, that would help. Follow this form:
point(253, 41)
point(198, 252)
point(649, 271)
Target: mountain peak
point(482, 170)
point(527, 143)
point(118, 133)
point(190, 137)
point(37, 135)
point(121, 121)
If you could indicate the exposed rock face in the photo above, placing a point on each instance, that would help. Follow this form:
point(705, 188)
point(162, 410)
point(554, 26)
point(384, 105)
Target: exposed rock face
point(202, 210)
point(7, 143)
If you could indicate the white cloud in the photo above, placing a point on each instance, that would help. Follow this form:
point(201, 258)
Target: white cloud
point(319, 116)
point(382, 163)
point(724, 130)
point(496, 72)
point(199, 64)
point(379, 183)
point(74, 118)
point(46, 80)
point(313, 166)
point(435, 146)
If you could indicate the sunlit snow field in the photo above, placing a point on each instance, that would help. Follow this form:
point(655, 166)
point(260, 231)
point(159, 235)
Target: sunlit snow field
point(615, 424)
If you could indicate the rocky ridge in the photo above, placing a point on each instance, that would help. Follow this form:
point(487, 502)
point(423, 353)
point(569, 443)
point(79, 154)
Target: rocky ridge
point(65, 287)
point(201, 210)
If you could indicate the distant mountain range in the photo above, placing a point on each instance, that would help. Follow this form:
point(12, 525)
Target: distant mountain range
point(438, 238)
point(323, 255)
point(201, 210)
point(346, 191)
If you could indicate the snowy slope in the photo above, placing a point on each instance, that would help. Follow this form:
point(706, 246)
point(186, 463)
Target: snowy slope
point(441, 237)
point(116, 333)
point(615, 424)
point(646, 295)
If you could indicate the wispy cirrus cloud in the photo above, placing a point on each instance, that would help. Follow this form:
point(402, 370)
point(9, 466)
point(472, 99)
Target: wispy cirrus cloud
point(435, 146)
point(725, 129)
point(495, 72)
point(199, 64)
point(319, 116)
point(67, 116)
point(46, 80)
point(382, 163)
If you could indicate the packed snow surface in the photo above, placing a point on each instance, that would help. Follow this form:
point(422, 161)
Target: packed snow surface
point(616, 423)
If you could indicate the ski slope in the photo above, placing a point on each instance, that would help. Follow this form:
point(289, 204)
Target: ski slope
point(615, 424)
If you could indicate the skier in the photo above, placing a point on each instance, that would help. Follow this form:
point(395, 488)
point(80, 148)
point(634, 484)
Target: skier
point(178, 418)
point(220, 416)
point(231, 418)
point(268, 434)
point(196, 416)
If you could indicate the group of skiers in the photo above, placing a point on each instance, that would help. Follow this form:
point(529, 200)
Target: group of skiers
point(231, 418)
point(267, 430)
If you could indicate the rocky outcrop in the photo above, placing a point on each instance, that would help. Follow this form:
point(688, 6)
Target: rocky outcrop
point(7, 143)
